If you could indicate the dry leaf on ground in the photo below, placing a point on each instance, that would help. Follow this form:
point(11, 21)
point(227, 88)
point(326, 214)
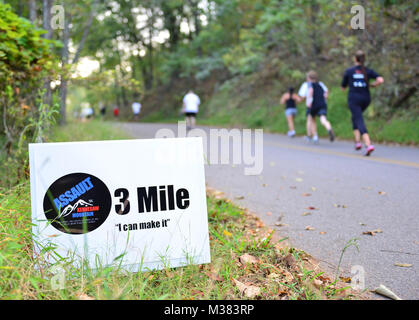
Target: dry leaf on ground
point(373, 232)
point(214, 276)
point(83, 296)
point(309, 228)
point(403, 265)
point(249, 290)
point(228, 234)
point(248, 259)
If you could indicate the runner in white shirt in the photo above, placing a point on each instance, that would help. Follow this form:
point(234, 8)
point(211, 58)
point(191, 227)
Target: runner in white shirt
point(136, 108)
point(190, 108)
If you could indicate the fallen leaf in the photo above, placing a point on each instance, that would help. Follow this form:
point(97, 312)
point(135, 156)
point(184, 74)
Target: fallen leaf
point(346, 279)
point(373, 232)
point(306, 194)
point(313, 188)
point(317, 283)
point(403, 265)
point(323, 232)
point(248, 259)
point(279, 224)
point(309, 228)
point(306, 214)
point(239, 197)
point(311, 208)
point(290, 261)
point(228, 234)
point(381, 193)
point(250, 291)
point(293, 187)
point(214, 276)
point(83, 296)
point(264, 185)
point(298, 179)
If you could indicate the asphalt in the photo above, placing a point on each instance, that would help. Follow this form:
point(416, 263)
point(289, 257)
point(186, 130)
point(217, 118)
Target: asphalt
point(339, 195)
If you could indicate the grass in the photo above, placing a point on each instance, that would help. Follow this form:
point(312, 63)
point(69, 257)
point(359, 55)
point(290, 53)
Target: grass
point(278, 272)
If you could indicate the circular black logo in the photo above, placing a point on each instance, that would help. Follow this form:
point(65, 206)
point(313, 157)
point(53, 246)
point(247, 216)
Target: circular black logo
point(77, 203)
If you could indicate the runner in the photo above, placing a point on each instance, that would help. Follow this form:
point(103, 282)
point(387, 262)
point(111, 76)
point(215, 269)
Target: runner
point(357, 78)
point(191, 104)
point(316, 94)
point(290, 99)
point(115, 111)
point(136, 108)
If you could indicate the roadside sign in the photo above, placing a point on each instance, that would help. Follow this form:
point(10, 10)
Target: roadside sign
point(138, 203)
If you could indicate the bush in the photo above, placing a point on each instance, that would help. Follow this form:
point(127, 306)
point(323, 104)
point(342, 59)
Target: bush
point(25, 61)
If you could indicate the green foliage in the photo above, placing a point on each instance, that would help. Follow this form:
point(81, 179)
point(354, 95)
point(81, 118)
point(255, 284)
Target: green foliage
point(25, 60)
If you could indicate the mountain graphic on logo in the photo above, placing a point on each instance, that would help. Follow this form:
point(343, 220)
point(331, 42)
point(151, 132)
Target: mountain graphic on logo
point(70, 209)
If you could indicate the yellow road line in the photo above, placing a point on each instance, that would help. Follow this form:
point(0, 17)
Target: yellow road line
point(346, 155)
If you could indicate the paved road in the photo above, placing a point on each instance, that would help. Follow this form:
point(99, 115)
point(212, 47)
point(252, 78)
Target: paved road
point(352, 194)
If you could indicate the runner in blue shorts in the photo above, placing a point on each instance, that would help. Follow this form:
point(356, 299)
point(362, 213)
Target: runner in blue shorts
point(290, 99)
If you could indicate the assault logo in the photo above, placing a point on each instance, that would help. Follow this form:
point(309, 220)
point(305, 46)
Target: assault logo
point(77, 203)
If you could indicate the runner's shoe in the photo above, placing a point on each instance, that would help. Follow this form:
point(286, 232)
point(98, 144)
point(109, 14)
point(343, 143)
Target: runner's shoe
point(370, 149)
point(315, 139)
point(331, 135)
point(358, 146)
point(291, 133)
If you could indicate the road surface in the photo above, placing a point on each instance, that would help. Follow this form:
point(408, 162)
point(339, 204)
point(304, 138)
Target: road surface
point(351, 195)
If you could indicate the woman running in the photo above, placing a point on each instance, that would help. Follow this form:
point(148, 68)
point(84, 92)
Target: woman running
point(290, 99)
point(359, 98)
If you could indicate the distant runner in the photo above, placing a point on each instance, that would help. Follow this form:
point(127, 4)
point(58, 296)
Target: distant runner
point(136, 108)
point(316, 94)
point(115, 111)
point(190, 108)
point(290, 99)
point(357, 78)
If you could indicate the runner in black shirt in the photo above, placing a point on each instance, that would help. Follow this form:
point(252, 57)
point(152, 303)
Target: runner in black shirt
point(357, 78)
point(290, 99)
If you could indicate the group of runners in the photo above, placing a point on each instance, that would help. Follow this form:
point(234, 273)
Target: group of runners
point(316, 93)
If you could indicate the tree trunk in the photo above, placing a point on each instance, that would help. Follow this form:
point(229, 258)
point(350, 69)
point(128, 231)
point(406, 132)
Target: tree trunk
point(46, 25)
point(64, 62)
point(32, 11)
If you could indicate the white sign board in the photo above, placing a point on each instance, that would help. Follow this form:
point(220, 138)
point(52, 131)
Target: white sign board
point(140, 200)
